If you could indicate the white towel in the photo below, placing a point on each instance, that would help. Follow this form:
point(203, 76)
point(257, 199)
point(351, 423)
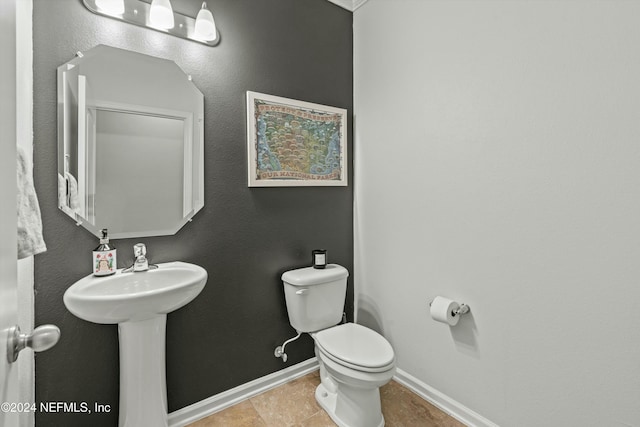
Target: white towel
point(62, 192)
point(73, 191)
point(30, 241)
point(68, 193)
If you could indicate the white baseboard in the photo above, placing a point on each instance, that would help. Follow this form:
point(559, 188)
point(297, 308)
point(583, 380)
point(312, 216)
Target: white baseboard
point(442, 401)
point(218, 402)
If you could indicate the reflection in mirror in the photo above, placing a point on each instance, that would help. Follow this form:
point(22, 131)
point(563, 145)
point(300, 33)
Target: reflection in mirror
point(128, 198)
point(130, 154)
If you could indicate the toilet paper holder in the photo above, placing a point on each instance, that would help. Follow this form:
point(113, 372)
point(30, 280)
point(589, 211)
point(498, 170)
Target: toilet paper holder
point(462, 309)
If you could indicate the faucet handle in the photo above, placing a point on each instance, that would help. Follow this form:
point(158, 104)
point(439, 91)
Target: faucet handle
point(139, 249)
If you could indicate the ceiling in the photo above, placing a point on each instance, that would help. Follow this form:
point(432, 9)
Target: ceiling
point(351, 5)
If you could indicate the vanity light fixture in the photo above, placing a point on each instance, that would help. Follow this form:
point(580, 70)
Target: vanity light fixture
point(205, 25)
point(161, 14)
point(158, 15)
point(111, 7)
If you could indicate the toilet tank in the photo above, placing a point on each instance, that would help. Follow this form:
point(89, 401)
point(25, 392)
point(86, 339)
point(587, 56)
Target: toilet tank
point(315, 297)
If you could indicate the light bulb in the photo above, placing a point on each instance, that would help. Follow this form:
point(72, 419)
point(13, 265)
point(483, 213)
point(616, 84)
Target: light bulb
point(205, 25)
point(112, 7)
point(161, 14)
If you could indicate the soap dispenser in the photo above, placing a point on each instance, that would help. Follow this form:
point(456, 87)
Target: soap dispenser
point(104, 257)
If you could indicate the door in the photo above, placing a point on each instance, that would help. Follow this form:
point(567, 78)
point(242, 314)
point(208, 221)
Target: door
point(9, 389)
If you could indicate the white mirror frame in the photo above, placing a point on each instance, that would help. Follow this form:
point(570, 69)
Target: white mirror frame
point(69, 140)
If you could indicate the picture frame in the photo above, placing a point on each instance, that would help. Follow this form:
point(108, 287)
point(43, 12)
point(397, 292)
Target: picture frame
point(293, 143)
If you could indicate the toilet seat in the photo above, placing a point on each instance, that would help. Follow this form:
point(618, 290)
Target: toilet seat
point(356, 347)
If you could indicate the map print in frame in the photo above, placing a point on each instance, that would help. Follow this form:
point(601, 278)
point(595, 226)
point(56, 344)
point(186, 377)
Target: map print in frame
point(294, 143)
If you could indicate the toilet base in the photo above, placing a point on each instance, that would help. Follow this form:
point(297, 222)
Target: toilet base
point(328, 401)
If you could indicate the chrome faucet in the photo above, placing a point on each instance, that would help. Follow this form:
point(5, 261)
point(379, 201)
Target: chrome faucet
point(141, 262)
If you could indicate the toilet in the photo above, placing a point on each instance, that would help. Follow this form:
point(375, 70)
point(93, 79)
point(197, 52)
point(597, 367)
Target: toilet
point(355, 361)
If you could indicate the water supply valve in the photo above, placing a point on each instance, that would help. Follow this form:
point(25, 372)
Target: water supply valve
point(279, 351)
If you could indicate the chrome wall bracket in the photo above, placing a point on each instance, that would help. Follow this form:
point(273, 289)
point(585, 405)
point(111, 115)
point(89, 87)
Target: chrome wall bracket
point(463, 309)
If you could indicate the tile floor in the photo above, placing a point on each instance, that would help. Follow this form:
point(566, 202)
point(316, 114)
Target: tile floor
point(293, 405)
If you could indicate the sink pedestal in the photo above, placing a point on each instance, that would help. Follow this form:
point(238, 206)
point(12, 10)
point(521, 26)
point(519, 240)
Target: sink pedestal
point(143, 383)
point(139, 303)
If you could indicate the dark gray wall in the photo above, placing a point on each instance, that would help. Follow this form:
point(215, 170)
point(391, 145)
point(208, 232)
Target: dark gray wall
point(245, 238)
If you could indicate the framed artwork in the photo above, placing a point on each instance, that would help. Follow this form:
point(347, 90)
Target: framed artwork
point(294, 143)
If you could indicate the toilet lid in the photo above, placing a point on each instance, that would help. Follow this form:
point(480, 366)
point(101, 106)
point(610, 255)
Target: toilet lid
point(356, 344)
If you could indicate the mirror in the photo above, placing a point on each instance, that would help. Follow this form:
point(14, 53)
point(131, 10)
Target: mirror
point(130, 143)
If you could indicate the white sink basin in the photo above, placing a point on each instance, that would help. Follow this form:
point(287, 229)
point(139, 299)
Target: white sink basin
point(125, 297)
point(139, 303)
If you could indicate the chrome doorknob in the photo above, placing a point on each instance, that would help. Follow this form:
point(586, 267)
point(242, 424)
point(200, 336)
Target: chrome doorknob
point(42, 338)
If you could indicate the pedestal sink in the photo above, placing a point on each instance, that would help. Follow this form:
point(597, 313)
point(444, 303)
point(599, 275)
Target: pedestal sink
point(138, 302)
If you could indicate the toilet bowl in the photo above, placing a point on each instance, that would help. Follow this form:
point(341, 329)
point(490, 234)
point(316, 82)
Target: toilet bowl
point(354, 363)
point(354, 360)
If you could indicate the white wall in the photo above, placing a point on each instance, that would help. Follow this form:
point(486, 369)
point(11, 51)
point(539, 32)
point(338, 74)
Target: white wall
point(498, 163)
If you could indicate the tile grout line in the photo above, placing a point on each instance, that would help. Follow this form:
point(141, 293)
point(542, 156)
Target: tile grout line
point(308, 379)
point(257, 412)
point(302, 421)
point(305, 378)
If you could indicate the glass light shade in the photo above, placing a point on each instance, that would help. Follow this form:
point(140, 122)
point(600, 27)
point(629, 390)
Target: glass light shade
point(161, 14)
point(205, 25)
point(112, 7)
